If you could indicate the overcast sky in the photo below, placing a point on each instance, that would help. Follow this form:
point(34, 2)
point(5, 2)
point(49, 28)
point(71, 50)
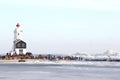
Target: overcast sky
point(62, 26)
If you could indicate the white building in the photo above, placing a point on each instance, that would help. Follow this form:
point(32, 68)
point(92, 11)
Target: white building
point(19, 46)
point(109, 55)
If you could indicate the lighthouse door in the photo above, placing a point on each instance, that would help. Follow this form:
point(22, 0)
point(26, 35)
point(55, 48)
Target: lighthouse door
point(20, 51)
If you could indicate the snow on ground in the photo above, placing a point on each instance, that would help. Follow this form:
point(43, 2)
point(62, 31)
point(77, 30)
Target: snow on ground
point(62, 62)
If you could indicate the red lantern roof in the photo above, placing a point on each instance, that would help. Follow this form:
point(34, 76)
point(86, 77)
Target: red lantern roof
point(17, 25)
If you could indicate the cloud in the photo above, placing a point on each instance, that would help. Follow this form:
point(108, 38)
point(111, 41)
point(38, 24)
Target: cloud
point(113, 5)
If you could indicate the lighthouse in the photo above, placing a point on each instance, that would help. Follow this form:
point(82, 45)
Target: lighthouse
point(19, 45)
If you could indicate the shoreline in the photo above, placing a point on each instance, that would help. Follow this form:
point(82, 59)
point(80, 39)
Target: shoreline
point(63, 62)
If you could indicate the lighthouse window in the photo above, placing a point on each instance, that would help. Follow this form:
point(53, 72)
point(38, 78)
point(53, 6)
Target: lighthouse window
point(18, 45)
point(23, 45)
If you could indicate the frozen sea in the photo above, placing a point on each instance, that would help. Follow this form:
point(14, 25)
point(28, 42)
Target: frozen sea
point(58, 72)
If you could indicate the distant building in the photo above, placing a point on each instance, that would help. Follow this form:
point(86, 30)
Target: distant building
point(109, 55)
point(19, 46)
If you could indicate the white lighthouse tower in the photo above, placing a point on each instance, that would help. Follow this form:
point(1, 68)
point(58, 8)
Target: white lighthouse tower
point(19, 46)
point(18, 32)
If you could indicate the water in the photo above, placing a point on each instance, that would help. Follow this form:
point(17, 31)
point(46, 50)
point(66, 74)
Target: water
point(57, 72)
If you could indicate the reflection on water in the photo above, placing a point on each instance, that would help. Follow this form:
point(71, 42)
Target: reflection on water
point(57, 72)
